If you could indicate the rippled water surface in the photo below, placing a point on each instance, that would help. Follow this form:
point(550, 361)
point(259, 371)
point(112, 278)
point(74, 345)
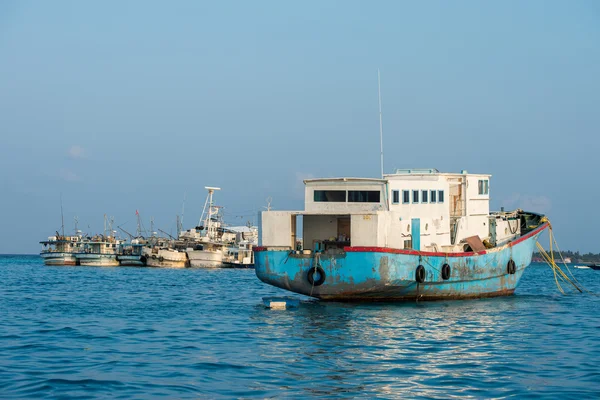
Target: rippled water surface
point(192, 333)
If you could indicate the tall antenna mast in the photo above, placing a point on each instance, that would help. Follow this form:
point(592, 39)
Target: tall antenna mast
point(209, 227)
point(62, 218)
point(380, 120)
point(180, 227)
point(139, 224)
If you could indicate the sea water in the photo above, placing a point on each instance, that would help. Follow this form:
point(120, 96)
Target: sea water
point(127, 332)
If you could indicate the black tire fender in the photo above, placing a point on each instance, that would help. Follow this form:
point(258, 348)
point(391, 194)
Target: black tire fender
point(446, 272)
point(311, 276)
point(511, 267)
point(420, 274)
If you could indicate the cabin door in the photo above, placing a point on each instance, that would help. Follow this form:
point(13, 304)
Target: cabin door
point(457, 207)
point(343, 228)
point(293, 233)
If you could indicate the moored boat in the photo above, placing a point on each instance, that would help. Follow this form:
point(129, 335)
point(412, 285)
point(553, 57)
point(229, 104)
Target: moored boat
point(415, 234)
point(131, 253)
point(61, 250)
point(206, 245)
point(164, 254)
point(240, 254)
point(100, 251)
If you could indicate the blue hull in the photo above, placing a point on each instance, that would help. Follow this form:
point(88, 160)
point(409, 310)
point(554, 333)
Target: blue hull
point(382, 274)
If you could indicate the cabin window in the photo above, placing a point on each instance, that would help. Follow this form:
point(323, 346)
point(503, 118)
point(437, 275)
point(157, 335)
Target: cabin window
point(440, 198)
point(363, 196)
point(395, 196)
point(424, 194)
point(415, 196)
point(331, 196)
point(433, 196)
point(484, 186)
point(405, 196)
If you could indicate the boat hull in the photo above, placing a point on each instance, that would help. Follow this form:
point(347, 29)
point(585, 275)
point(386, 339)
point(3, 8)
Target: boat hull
point(97, 260)
point(167, 259)
point(131, 261)
point(205, 259)
point(58, 258)
point(384, 274)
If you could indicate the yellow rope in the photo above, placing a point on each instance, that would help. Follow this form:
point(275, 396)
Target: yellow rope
point(550, 260)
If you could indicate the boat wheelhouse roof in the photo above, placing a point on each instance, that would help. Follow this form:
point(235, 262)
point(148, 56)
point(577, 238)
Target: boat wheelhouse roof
point(398, 172)
point(429, 172)
point(362, 180)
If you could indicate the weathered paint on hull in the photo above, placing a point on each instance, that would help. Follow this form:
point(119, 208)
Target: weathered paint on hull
point(166, 263)
point(59, 258)
point(205, 259)
point(380, 274)
point(97, 260)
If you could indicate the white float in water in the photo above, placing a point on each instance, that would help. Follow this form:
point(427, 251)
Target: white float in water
point(281, 302)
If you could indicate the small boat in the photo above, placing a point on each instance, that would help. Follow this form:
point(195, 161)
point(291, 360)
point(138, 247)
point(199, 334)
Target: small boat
point(590, 266)
point(240, 254)
point(416, 234)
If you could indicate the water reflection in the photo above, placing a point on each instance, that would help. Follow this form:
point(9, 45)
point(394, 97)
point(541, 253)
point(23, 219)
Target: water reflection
point(417, 350)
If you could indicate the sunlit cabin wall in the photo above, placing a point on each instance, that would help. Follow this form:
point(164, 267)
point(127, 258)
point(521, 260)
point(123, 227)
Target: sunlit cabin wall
point(277, 229)
point(388, 229)
point(476, 220)
point(434, 215)
point(507, 230)
point(366, 230)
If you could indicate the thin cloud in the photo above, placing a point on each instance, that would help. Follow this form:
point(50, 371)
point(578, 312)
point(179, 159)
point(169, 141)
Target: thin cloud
point(69, 176)
point(76, 152)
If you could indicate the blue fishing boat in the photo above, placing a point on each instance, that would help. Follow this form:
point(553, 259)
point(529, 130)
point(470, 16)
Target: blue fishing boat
point(412, 235)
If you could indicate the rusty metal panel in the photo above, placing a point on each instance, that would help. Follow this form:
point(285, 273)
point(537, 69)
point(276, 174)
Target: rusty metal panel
point(475, 243)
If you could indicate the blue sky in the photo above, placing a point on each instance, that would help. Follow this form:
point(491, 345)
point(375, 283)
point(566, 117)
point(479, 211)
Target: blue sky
point(128, 105)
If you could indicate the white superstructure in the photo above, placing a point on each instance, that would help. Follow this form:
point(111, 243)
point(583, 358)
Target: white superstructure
point(420, 209)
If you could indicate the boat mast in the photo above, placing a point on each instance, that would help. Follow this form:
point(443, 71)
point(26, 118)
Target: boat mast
point(62, 218)
point(180, 225)
point(139, 224)
point(380, 120)
point(209, 229)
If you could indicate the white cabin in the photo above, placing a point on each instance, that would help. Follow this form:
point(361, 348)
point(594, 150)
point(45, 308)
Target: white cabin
point(419, 209)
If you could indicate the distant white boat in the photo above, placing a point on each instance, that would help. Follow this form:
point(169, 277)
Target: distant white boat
point(208, 248)
point(591, 266)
